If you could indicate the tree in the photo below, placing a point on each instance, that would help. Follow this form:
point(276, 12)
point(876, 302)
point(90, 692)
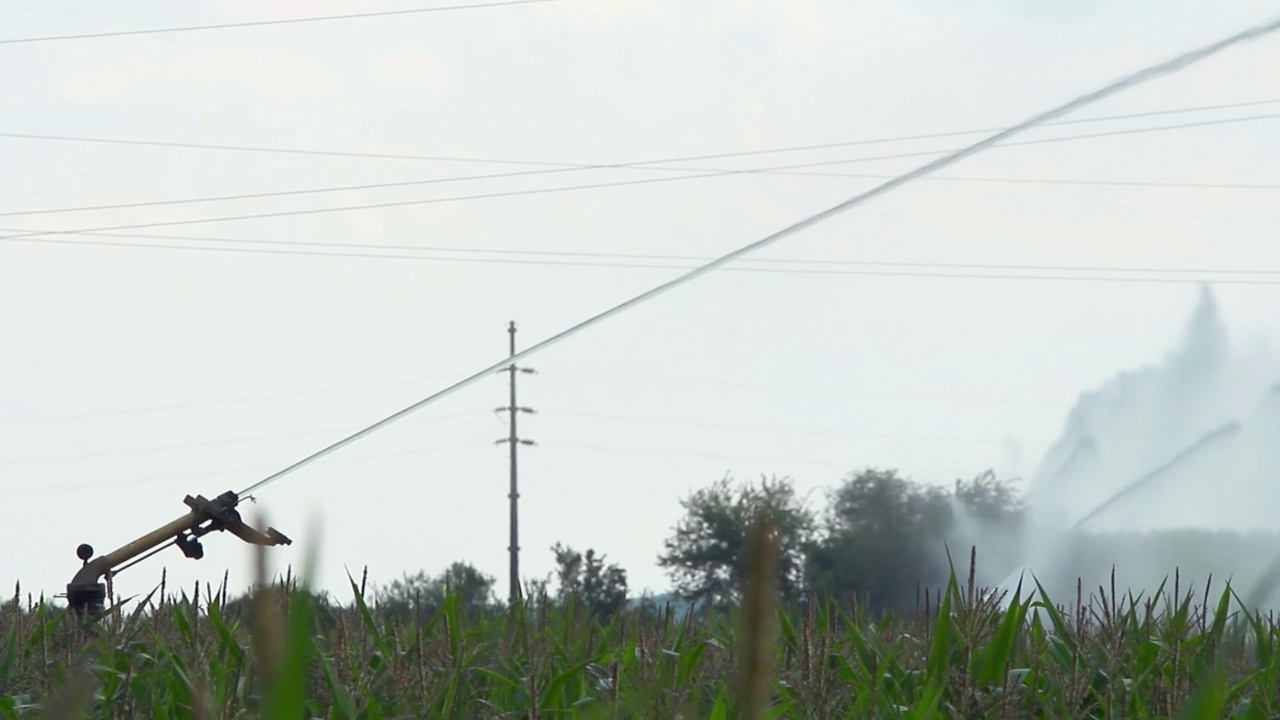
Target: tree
point(878, 540)
point(990, 500)
point(706, 555)
point(475, 591)
point(537, 589)
point(885, 536)
point(988, 516)
point(324, 610)
point(587, 579)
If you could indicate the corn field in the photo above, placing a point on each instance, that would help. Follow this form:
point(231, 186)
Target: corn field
point(965, 653)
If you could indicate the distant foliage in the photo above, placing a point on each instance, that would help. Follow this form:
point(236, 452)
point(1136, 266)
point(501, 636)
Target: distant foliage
point(422, 593)
point(988, 499)
point(881, 537)
point(706, 556)
point(587, 580)
point(242, 608)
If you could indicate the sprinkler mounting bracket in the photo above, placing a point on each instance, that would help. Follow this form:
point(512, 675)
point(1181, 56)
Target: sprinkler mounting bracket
point(86, 593)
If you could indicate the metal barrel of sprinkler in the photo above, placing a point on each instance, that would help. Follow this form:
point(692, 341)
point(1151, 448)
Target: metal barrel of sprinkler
point(87, 593)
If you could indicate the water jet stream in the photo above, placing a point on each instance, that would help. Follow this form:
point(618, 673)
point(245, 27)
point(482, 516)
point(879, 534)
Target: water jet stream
point(1208, 440)
point(1230, 429)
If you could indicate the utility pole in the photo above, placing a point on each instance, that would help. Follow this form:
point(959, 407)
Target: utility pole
point(513, 439)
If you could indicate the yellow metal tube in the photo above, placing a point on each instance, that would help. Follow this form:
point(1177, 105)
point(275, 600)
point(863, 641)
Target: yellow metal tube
point(99, 566)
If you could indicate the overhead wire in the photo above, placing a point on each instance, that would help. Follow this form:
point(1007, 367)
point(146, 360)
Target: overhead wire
point(574, 377)
point(256, 346)
point(262, 23)
point(611, 255)
point(642, 380)
point(773, 428)
point(1204, 273)
point(239, 471)
point(583, 166)
point(1160, 69)
point(29, 236)
point(680, 453)
point(212, 403)
point(210, 443)
point(794, 169)
point(477, 413)
point(715, 456)
point(36, 489)
point(1083, 182)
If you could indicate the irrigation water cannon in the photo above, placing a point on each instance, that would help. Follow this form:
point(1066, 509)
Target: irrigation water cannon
point(87, 594)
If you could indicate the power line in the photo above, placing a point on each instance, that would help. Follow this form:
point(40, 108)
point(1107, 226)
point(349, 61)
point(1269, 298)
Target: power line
point(1176, 184)
point(32, 489)
point(344, 388)
point(1183, 185)
point(232, 347)
point(583, 166)
point(676, 453)
point(211, 403)
point(207, 443)
point(261, 23)
point(1137, 78)
point(651, 266)
point(718, 456)
point(792, 170)
point(576, 377)
point(240, 471)
point(1041, 141)
point(347, 208)
point(1086, 182)
point(651, 256)
point(579, 377)
point(776, 428)
point(592, 416)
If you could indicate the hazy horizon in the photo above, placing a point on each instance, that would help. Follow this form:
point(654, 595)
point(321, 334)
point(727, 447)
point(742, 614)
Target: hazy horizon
point(944, 329)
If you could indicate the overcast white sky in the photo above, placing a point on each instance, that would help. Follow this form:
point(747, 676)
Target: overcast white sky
point(133, 376)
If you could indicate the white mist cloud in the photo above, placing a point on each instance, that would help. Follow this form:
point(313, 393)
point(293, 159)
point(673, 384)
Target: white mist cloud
point(1185, 444)
point(1144, 419)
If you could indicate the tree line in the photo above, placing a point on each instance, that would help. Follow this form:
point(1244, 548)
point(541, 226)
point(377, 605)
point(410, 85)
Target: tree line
point(877, 537)
point(880, 537)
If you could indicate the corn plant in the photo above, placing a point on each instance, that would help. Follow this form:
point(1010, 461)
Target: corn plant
point(965, 653)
